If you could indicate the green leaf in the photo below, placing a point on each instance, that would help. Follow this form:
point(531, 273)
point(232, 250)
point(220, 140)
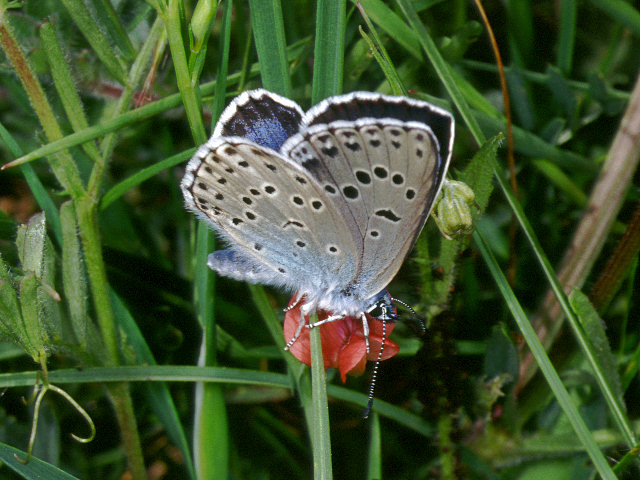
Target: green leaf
point(501, 355)
point(479, 173)
point(110, 23)
point(596, 336)
point(531, 145)
point(30, 243)
point(141, 175)
point(543, 361)
point(54, 327)
point(562, 93)
point(30, 333)
point(567, 37)
point(445, 73)
point(563, 181)
point(231, 376)
point(393, 25)
point(10, 317)
point(210, 417)
point(268, 31)
point(39, 192)
point(36, 469)
point(356, 63)
point(320, 432)
point(328, 64)
point(74, 281)
point(99, 43)
point(382, 57)
point(174, 20)
point(157, 394)
point(621, 12)
point(374, 463)
point(66, 87)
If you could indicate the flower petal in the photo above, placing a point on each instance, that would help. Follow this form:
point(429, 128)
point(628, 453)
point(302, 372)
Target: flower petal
point(390, 349)
point(352, 358)
point(343, 341)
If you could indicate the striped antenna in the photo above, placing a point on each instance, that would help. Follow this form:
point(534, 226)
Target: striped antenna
point(423, 328)
point(374, 373)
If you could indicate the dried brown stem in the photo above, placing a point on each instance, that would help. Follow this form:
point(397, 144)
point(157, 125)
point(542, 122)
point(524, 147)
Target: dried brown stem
point(604, 204)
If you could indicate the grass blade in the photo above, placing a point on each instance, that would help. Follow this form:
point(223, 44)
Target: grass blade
point(36, 469)
point(328, 65)
point(559, 390)
point(99, 43)
point(268, 31)
point(320, 433)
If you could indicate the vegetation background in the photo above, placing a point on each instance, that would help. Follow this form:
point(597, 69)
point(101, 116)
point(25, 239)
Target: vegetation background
point(103, 103)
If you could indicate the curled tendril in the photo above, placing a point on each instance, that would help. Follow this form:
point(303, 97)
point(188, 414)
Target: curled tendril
point(39, 393)
point(81, 411)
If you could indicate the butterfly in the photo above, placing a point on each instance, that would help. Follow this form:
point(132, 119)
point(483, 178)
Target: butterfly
point(326, 203)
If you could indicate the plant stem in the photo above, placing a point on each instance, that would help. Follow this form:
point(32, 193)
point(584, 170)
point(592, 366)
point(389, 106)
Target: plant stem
point(446, 447)
point(62, 164)
point(67, 174)
point(120, 395)
point(606, 198)
point(123, 407)
point(320, 435)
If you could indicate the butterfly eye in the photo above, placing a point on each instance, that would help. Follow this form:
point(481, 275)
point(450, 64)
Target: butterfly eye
point(383, 311)
point(378, 311)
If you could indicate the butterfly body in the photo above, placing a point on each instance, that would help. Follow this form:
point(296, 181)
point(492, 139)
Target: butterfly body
point(326, 203)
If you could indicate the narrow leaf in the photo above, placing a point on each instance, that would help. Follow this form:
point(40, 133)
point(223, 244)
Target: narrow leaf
point(36, 469)
point(65, 86)
point(10, 318)
point(157, 393)
point(268, 31)
point(29, 334)
point(108, 18)
point(542, 359)
point(597, 338)
point(479, 173)
point(74, 279)
point(39, 192)
point(328, 65)
point(93, 33)
point(30, 243)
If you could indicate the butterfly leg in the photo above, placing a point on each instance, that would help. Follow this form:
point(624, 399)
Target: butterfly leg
point(298, 330)
point(365, 330)
point(330, 319)
point(294, 304)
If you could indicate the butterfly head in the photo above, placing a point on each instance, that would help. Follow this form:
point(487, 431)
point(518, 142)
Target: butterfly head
point(382, 308)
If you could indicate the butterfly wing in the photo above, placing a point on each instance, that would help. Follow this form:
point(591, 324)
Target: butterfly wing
point(383, 173)
point(359, 105)
point(260, 116)
point(283, 229)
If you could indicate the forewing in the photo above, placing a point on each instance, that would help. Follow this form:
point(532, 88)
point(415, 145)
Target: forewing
point(260, 116)
point(271, 210)
point(384, 175)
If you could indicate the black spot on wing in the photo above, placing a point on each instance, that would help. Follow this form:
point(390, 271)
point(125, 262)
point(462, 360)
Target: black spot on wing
point(388, 214)
point(363, 177)
point(311, 164)
point(350, 192)
point(331, 151)
point(380, 172)
point(397, 108)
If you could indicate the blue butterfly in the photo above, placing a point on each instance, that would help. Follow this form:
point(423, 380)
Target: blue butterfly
point(326, 203)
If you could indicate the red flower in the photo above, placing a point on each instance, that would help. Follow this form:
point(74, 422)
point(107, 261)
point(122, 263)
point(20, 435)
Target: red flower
point(343, 342)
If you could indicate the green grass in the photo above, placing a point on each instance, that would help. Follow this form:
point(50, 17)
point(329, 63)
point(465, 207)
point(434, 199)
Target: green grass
point(517, 377)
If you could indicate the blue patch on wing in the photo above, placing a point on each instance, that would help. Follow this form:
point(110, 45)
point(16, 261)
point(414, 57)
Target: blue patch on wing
point(264, 121)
